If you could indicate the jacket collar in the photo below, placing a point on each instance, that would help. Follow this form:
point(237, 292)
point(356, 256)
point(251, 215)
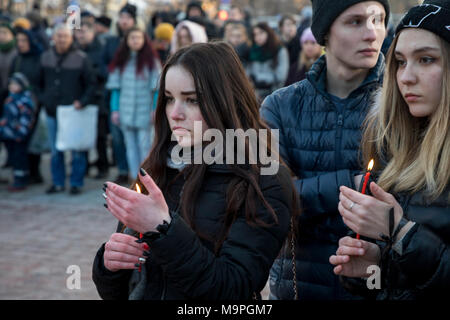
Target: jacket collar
point(223, 168)
point(317, 75)
point(217, 168)
point(71, 48)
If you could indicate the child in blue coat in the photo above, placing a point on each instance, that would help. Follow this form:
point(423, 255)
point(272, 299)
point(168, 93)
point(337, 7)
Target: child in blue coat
point(16, 124)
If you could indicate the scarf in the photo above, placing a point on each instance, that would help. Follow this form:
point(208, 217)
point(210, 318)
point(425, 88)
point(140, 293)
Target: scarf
point(260, 54)
point(8, 46)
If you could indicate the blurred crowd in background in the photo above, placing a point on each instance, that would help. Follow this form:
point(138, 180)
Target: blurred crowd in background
point(115, 65)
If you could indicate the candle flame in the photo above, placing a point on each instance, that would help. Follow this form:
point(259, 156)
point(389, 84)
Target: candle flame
point(138, 189)
point(370, 166)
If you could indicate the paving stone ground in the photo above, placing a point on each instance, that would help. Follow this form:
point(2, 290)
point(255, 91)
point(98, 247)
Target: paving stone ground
point(42, 235)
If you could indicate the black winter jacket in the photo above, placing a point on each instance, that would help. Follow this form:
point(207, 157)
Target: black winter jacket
point(26, 64)
point(94, 53)
point(64, 79)
point(319, 141)
point(419, 266)
point(183, 266)
point(422, 270)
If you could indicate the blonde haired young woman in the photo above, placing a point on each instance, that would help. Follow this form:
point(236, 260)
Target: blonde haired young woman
point(408, 135)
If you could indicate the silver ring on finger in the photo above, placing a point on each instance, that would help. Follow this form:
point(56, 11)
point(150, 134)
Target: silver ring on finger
point(351, 206)
point(141, 260)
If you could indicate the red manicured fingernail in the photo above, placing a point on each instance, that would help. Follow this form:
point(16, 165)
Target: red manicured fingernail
point(146, 247)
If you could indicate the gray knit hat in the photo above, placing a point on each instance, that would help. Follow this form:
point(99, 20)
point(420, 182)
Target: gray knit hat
point(21, 79)
point(326, 11)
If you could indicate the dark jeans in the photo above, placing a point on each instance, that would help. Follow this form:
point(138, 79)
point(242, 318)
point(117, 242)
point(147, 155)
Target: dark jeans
point(102, 134)
point(58, 169)
point(119, 149)
point(17, 153)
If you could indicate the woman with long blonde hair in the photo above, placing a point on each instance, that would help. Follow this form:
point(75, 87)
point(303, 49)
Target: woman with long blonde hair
point(406, 231)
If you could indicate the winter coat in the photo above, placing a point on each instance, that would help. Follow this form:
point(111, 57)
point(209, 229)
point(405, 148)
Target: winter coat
point(65, 78)
point(293, 46)
point(136, 92)
point(183, 265)
point(319, 140)
point(418, 267)
point(109, 50)
point(94, 53)
point(27, 64)
point(421, 269)
point(295, 74)
point(41, 36)
point(6, 59)
point(18, 116)
point(269, 75)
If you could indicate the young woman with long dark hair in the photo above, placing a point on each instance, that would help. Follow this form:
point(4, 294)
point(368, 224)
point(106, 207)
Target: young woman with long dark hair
point(209, 230)
point(268, 61)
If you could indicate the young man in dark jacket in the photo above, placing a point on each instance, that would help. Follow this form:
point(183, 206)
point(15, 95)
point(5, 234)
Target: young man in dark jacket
point(66, 78)
point(319, 120)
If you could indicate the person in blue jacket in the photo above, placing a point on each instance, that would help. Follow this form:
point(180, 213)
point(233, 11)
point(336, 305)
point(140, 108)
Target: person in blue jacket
point(319, 121)
point(16, 125)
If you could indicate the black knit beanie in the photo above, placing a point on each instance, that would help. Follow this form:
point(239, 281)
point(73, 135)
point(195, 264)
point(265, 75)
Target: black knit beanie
point(104, 21)
point(130, 9)
point(431, 15)
point(326, 11)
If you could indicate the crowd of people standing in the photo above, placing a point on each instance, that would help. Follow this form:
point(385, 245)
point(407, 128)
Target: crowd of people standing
point(118, 72)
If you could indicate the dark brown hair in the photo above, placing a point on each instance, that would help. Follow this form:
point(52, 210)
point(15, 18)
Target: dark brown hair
point(227, 101)
point(146, 57)
point(273, 43)
point(284, 18)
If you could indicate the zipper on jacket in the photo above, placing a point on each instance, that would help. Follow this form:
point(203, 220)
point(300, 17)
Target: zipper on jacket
point(338, 151)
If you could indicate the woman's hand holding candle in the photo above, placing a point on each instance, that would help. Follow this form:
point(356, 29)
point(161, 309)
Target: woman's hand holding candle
point(353, 257)
point(122, 252)
point(367, 215)
point(139, 212)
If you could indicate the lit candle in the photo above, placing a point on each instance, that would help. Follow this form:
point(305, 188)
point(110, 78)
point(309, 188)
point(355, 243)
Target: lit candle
point(367, 176)
point(138, 189)
point(366, 180)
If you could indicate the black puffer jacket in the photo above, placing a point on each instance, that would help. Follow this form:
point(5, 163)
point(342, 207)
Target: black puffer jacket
point(422, 270)
point(319, 141)
point(183, 266)
point(419, 268)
